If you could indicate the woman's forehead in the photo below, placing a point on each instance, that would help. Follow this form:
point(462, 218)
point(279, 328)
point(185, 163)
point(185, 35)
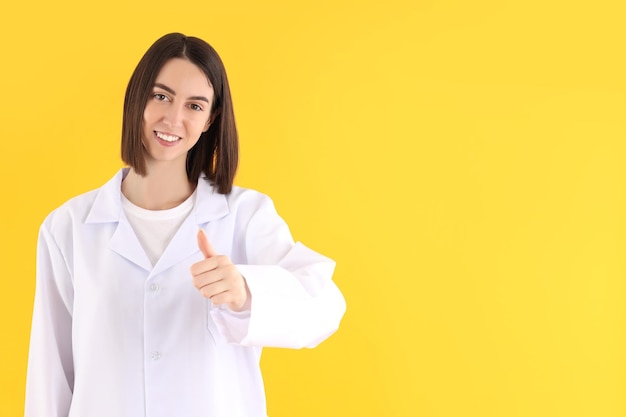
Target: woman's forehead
point(183, 76)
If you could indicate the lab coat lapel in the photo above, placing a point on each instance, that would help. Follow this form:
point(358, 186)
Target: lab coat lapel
point(209, 206)
point(125, 243)
point(107, 208)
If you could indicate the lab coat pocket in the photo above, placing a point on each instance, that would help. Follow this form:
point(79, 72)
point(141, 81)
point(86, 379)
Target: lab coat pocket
point(210, 324)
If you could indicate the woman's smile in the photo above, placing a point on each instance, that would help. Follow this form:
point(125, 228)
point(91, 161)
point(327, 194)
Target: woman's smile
point(166, 137)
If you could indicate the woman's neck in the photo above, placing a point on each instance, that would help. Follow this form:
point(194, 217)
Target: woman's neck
point(159, 189)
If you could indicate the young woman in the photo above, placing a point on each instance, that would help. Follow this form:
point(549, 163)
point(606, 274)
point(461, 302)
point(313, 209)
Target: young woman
point(156, 292)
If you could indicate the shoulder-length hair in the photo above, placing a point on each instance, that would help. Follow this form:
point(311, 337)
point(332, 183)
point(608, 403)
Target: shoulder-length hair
point(216, 153)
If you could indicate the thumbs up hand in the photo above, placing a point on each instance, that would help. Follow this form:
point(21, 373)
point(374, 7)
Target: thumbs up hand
point(218, 279)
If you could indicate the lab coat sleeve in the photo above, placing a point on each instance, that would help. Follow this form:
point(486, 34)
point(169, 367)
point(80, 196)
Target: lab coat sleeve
point(50, 377)
point(295, 303)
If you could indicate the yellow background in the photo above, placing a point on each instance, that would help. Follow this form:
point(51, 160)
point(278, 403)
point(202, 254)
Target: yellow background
point(463, 161)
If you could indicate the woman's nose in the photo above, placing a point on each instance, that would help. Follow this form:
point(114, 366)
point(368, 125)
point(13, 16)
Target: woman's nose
point(174, 115)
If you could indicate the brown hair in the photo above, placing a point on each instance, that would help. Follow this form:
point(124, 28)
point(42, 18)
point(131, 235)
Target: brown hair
point(216, 153)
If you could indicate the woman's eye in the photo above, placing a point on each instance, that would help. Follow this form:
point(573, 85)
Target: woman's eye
point(160, 97)
point(195, 107)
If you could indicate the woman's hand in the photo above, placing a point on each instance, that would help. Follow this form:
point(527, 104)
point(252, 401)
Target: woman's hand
point(218, 279)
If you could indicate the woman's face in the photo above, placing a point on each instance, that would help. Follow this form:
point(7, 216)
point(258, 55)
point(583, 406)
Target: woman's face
point(177, 112)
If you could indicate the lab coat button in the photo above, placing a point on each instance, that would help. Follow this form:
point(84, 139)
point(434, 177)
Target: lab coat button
point(154, 287)
point(155, 356)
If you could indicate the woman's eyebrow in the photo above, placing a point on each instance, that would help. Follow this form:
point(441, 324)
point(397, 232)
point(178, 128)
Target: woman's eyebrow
point(172, 92)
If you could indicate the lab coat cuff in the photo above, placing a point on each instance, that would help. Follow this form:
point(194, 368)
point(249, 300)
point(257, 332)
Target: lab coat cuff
point(232, 325)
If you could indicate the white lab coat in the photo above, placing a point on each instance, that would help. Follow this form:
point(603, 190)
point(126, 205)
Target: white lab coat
point(113, 336)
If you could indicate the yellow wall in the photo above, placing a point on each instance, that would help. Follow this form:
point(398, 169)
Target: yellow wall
point(463, 161)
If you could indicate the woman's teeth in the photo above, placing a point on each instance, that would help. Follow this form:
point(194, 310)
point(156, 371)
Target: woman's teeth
point(167, 138)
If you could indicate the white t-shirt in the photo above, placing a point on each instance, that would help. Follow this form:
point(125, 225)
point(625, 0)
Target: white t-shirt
point(155, 228)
